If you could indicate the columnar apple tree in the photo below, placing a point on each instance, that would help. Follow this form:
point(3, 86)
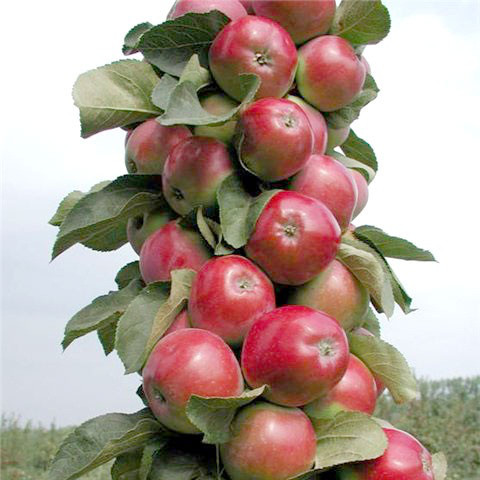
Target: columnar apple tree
point(251, 314)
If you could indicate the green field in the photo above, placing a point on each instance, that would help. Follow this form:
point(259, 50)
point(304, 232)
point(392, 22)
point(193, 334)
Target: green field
point(446, 418)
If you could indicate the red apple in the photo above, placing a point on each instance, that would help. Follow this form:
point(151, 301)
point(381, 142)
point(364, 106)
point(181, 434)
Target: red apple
point(366, 64)
point(317, 122)
point(128, 135)
point(141, 227)
point(181, 321)
point(193, 172)
point(356, 391)
point(329, 74)
point(380, 385)
point(327, 180)
point(149, 144)
point(302, 19)
point(228, 294)
point(405, 459)
point(217, 104)
point(275, 139)
point(233, 9)
point(337, 292)
point(336, 137)
point(170, 248)
point(294, 239)
point(253, 45)
point(298, 352)
point(362, 189)
point(269, 443)
point(184, 363)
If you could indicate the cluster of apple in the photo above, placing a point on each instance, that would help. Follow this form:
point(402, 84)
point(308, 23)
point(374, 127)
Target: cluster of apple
point(275, 313)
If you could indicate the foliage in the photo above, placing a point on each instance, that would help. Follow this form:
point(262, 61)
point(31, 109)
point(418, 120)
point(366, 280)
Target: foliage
point(27, 450)
point(446, 417)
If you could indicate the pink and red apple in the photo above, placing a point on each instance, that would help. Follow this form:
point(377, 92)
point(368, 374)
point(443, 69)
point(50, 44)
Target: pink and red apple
point(269, 442)
point(180, 322)
point(233, 9)
point(405, 459)
point(228, 294)
point(275, 139)
point(329, 74)
point(327, 180)
point(302, 19)
point(366, 64)
point(172, 247)
point(298, 352)
point(217, 104)
point(247, 4)
point(362, 189)
point(255, 45)
point(356, 391)
point(294, 239)
point(317, 122)
point(141, 227)
point(184, 363)
point(336, 137)
point(149, 145)
point(193, 172)
point(337, 292)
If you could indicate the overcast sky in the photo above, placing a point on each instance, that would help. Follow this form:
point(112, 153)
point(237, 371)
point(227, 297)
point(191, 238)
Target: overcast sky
point(424, 128)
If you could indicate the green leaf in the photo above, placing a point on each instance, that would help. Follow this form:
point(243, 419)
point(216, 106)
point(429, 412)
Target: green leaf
point(348, 437)
point(170, 45)
point(205, 229)
point(193, 73)
point(220, 247)
point(358, 149)
point(126, 466)
point(101, 439)
point(400, 295)
point(256, 208)
point(173, 463)
point(130, 44)
point(106, 335)
point(345, 116)
point(440, 466)
point(393, 247)
point(115, 95)
point(99, 219)
point(148, 317)
point(348, 162)
point(129, 272)
point(179, 295)
point(361, 22)
point(65, 206)
point(147, 457)
point(234, 203)
point(371, 323)
point(70, 201)
point(386, 363)
point(184, 106)
point(163, 90)
point(370, 272)
point(213, 415)
point(100, 313)
point(133, 328)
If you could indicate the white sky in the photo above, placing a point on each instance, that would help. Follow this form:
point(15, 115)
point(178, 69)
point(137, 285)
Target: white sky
point(424, 128)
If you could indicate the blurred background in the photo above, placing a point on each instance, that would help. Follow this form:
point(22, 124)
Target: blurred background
point(424, 129)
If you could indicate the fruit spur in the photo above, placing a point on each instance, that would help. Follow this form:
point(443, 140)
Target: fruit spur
point(251, 306)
